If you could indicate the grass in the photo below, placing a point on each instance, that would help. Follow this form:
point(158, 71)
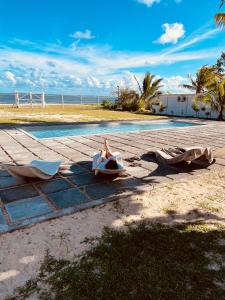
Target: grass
point(145, 262)
point(68, 113)
point(207, 206)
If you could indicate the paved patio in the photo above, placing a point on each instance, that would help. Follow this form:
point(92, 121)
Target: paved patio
point(25, 201)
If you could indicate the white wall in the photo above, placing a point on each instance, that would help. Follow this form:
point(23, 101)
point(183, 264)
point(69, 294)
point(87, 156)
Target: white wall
point(182, 108)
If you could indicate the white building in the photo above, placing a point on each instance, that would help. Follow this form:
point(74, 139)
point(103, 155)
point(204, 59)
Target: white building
point(181, 105)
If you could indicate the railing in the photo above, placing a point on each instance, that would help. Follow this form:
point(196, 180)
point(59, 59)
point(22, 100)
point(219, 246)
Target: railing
point(29, 98)
point(19, 98)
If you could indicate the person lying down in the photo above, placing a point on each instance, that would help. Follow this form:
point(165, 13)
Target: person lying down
point(107, 162)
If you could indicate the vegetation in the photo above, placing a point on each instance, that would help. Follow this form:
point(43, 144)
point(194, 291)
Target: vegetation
point(214, 96)
point(68, 113)
point(196, 108)
point(203, 76)
point(220, 64)
point(131, 100)
point(209, 87)
point(145, 262)
point(107, 104)
point(151, 90)
point(220, 17)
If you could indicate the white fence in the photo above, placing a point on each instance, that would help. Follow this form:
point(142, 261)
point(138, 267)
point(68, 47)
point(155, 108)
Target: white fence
point(29, 98)
point(39, 98)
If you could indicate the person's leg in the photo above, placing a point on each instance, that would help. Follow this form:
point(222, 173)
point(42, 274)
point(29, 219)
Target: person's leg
point(107, 149)
point(103, 154)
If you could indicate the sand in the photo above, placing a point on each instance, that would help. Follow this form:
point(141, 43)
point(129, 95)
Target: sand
point(201, 198)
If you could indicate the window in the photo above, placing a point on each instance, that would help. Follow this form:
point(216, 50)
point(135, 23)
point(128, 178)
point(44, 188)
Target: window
point(181, 99)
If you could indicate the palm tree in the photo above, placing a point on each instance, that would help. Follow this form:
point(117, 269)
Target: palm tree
point(203, 76)
point(214, 96)
point(150, 90)
point(220, 17)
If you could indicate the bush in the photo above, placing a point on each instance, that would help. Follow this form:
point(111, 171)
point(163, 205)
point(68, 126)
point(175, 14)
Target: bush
point(130, 101)
point(107, 104)
point(196, 108)
point(162, 107)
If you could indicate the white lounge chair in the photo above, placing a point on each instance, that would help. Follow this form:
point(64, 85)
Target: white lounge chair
point(177, 155)
point(98, 166)
point(36, 169)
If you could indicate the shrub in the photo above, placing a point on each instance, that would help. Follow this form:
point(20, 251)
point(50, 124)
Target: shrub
point(107, 104)
point(162, 107)
point(196, 108)
point(208, 113)
point(129, 101)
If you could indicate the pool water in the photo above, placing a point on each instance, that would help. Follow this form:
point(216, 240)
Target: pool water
point(102, 128)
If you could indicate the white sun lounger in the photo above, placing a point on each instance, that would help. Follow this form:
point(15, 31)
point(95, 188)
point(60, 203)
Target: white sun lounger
point(99, 167)
point(177, 155)
point(36, 169)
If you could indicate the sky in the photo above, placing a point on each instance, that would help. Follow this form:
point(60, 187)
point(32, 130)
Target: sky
point(92, 46)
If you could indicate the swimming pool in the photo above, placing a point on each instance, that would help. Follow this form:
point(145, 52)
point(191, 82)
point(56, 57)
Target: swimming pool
point(102, 128)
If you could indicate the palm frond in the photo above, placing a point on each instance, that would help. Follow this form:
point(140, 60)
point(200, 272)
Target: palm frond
point(188, 86)
point(220, 19)
point(139, 86)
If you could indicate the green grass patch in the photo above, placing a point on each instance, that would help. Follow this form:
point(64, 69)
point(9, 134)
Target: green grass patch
point(145, 262)
point(57, 113)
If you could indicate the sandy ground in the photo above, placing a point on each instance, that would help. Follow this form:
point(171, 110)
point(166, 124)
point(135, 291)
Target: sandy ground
point(21, 252)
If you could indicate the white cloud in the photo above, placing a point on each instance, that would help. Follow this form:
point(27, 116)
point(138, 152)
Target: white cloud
point(149, 3)
point(173, 32)
point(194, 39)
point(83, 35)
point(173, 84)
point(10, 77)
point(55, 67)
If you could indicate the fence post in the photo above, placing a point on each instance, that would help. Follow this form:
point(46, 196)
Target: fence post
point(81, 99)
point(31, 99)
point(43, 100)
point(62, 99)
point(17, 101)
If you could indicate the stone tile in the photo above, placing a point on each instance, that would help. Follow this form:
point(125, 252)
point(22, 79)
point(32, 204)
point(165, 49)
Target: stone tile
point(101, 190)
point(129, 183)
point(68, 198)
point(54, 185)
point(86, 164)
point(73, 170)
point(86, 179)
point(11, 182)
point(2, 219)
point(17, 193)
point(4, 174)
point(27, 208)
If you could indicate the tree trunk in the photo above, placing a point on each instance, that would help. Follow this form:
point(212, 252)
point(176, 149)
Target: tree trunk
point(220, 117)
